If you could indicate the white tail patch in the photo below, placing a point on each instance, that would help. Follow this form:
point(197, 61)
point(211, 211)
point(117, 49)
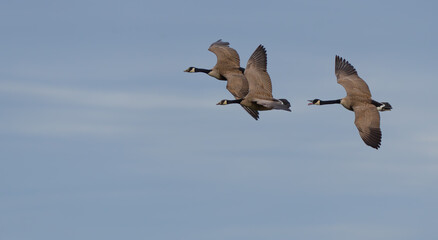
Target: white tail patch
point(383, 108)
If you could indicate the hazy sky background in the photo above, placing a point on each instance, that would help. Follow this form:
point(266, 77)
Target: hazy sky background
point(103, 136)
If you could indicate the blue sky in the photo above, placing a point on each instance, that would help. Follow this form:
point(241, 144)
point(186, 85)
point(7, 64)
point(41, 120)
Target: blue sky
point(103, 136)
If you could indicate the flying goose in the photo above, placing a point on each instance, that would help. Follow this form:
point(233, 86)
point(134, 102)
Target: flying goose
point(228, 69)
point(358, 99)
point(259, 97)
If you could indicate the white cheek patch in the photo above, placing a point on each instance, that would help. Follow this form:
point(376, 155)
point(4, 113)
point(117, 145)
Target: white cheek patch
point(192, 70)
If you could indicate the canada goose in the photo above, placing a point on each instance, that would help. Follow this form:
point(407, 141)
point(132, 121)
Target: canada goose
point(259, 97)
point(358, 99)
point(228, 69)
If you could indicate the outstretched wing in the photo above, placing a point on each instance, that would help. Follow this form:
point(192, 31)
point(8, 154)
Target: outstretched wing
point(367, 121)
point(350, 80)
point(227, 58)
point(237, 85)
point(258, 78)
point(228, 64)
point(252, 112)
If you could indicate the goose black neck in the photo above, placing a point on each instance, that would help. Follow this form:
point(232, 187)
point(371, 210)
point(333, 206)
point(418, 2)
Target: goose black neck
point(337, 101)
point(234, 101)
point(202, 70)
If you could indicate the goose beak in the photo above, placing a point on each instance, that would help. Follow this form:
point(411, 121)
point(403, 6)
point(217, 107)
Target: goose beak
point(310, 102)
point(187, 70)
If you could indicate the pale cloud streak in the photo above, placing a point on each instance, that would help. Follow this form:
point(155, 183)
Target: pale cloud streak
point(69, 111)
point(101, 98)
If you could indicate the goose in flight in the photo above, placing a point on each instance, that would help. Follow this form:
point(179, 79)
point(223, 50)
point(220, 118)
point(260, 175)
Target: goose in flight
point(259, 96)
point(228, 69)
point(358, 100)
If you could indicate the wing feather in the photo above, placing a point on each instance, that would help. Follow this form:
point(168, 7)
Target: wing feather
point(237, 84)
point(228, 65)
point(254, 113)
point(258, 78)
point(367, 121)
point(227, 58)
point(347, 76)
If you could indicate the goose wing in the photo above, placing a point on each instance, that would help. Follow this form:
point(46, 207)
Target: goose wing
point(228, 64)
point(350, 80)
point(237, 85)
point(254, 113)
point(258, 78)
point(367, 121)
point(227, 58)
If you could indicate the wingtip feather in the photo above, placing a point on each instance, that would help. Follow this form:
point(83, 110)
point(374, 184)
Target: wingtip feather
point(343, 66)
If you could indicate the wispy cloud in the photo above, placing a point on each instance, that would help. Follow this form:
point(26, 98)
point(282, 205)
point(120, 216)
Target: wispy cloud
point(101, 98)
point(70, 111)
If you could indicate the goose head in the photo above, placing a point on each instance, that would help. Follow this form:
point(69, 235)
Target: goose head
point(314, 102)
point(190, 69)
point(222, 102)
